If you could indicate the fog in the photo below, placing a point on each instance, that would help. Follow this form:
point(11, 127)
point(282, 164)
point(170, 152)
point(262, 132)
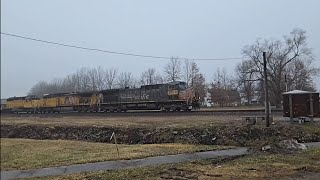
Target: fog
point(182, 28)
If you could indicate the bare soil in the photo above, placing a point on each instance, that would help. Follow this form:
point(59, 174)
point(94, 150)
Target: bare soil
point(219, 130)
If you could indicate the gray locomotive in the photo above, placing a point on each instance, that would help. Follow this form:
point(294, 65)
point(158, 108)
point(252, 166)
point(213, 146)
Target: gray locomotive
point(170, 96)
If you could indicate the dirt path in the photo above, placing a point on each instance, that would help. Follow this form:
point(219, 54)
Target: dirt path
point(121, 164)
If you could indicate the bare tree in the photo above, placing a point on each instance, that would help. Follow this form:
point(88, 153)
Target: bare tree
point(246, 83)
point(199, 86)
point(173, 70)
point(83, 80)
point(42, 87)
point(194, 72)
point(55, 86)
point(39, 89)
point(223, 91)
point(298, 76)
point(187, 72)
point(126, 79)
point(280, 56)
point(150, 76)
point(195, 79)
point(97, 78)
point(68, 84)
point(92, 75)
point(100, 78)
point(110, 77)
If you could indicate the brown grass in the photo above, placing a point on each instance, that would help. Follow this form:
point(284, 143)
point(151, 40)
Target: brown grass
point(303, 165)
point(149, 122)
point(28, 154)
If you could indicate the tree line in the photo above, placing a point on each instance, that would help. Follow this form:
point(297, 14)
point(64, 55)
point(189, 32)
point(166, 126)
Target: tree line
point(96, 79)
point(289, 67)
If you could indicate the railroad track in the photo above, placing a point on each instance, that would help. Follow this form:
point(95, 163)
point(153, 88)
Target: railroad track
point(220, 112)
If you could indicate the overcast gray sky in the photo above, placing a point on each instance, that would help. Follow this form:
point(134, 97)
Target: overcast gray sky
point(185, 28)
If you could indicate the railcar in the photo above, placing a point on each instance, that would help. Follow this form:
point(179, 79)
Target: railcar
point(50, 103)
point(170, 96)
point(87, 101)
point(22, 104)
point(173, 96)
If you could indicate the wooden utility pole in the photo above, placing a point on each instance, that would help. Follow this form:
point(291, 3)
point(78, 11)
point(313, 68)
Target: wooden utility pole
point(285, 80)
point(266, 89)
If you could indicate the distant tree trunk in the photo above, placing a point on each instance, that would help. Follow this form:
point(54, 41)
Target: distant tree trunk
point(110, 76)
point(150, 76)
point(172, 70)
point(125, 79)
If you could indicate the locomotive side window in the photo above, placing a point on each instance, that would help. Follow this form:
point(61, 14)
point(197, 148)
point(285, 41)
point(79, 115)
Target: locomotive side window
point(173, 87)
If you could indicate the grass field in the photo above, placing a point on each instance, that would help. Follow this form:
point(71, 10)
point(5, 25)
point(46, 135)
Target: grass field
point(141, 122)
point(304, 165)
point(28, 154)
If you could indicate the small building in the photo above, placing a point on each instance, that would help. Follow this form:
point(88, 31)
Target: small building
point(300, 104)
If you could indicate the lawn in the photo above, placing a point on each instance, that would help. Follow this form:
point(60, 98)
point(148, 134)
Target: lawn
point(198, 121)
point(124, 122)
point(29, 154)
point(304, 165)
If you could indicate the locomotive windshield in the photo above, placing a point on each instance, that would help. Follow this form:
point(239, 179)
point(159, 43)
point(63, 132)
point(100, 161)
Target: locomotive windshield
point(178, 86)
point(182, 85)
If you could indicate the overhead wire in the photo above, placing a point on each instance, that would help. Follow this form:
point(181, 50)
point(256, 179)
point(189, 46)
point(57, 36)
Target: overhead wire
point(116, 52)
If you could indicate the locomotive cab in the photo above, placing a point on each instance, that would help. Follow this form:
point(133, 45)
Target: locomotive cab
point(178, 91)
point(174, 90)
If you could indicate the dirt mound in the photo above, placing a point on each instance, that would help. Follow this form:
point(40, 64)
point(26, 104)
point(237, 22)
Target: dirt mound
point(220, 135)
point(285, 146)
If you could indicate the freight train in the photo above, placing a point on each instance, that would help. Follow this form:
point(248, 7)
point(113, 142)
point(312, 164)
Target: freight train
point(174, 96)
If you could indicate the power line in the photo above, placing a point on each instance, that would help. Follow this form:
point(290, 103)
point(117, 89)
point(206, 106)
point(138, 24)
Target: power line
point(113, 52)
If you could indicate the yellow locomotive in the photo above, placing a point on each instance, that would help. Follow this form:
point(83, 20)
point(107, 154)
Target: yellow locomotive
point(51, 103)
point(25, 104)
